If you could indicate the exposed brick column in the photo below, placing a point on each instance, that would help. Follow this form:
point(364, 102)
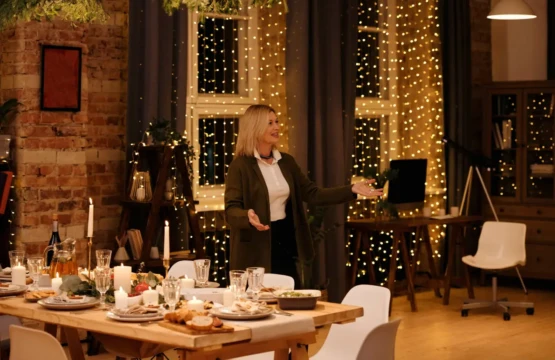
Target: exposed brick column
point(64, 158)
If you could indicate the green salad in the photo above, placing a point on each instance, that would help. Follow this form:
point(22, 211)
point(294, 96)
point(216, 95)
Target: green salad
point(295, 294)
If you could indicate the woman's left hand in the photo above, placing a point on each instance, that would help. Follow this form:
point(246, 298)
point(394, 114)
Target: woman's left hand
point(364, 188)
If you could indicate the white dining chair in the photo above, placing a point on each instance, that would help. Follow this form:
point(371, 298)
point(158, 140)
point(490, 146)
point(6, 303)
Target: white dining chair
point(380, 343)
point(345, 341)
point(278, 280)
point(44, 346)
point(183, 268)
point(5, 322)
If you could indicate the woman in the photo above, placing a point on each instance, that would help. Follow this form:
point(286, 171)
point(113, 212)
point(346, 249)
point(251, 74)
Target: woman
point(264, 196)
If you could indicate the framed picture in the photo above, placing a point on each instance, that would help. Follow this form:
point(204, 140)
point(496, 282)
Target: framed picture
point(60, 78)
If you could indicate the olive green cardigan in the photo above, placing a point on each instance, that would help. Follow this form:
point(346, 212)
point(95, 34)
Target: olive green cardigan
point(246, 189)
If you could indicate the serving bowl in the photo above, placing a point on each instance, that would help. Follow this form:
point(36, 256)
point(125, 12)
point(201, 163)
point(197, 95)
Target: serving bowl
point(297, 299)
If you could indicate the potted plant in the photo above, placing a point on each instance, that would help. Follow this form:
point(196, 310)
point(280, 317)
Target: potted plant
point(383, 206)
point(7, 114)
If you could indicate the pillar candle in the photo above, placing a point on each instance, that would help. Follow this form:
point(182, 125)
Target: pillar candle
point(229, 297)
point(195, 304)
point(167, 241)
point(121, 299)
point(91, 219)
point(56, 283)
point(122, 278)
point(18, 275)
point(187, 283)
point(150, 297)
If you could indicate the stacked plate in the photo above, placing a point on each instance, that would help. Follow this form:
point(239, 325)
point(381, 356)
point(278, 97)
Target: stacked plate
point(65, 303)
point(11, 290)
point(135, 317)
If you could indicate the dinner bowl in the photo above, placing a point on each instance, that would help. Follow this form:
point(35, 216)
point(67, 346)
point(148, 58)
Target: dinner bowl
point(297, 299)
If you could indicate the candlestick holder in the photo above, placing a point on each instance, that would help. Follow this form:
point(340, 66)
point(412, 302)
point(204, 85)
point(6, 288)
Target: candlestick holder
point(166, 263)
point(90, 247)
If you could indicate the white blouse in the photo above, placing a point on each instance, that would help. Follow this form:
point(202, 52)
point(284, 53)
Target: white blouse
point(278, 189)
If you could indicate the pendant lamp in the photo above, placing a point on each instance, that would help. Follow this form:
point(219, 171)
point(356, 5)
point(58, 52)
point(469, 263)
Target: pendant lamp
point(511, 10)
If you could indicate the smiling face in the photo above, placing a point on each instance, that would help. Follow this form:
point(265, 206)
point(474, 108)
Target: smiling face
point(271, 135)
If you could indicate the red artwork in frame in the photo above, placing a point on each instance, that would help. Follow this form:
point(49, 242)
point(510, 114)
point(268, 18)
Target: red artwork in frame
point(61, 78)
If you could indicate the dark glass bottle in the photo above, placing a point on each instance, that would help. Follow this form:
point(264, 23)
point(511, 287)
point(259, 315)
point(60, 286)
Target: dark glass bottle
point(54, 239)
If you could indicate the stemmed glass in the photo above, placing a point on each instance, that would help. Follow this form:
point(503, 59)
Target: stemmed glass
point(103, 257)
point(202, 268)
point(102, 278)
point(172, 292)
point(238, 280)
point(36, 265)
point(255, 277)
point(17, 257)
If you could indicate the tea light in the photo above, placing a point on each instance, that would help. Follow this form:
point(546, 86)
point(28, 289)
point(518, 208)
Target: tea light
point(195, 304)
point(121, 298)
point(18, 275)
point(150, 297)
point(56, 283)
point(122, 277)
point(229, 297)
point(140, 195)
point(187, 283)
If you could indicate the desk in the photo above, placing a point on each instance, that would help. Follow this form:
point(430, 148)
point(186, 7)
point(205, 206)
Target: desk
point(419, 225)
point(149, 340)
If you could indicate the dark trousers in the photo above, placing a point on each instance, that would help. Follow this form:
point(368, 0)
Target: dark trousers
point(284, 248)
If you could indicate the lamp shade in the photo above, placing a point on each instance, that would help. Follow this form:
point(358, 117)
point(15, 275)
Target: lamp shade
point(511, 10)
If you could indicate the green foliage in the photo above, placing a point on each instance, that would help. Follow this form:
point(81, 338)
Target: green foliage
point(73, 285)
point(217, 6)
point(7, 112)
point(74, 11)
point(382, 205)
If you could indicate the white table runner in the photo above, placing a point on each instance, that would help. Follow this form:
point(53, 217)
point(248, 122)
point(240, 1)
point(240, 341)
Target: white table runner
point(276, 326)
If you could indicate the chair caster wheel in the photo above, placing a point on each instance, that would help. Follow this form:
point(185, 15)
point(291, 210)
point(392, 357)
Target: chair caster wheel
point(464, 312)
point(506, 316)
point(530, 311)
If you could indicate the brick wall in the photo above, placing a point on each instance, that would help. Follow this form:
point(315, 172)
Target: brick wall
point(63, 158)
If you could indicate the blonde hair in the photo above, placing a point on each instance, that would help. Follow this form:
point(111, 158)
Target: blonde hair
point(252, 126)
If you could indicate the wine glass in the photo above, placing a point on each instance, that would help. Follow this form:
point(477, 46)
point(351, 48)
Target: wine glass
point(202, 268)
point(17, 257)
point(103, 257)
point(102, 278)
point(255, 277)
point(172, 292)
point(35, 265)
point(238, 280)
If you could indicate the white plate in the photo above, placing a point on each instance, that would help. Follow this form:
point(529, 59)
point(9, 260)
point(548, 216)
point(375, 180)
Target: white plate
point(210, 284)
point(92, 302)
point(15, 290)
point(226, 314)
point(111, 315)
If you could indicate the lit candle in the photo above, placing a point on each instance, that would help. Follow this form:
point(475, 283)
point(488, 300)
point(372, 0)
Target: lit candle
point(18, 274)
point(195, 304)
point(140, 194)
point(91, 218)
point(150, 297)
point(187, 283)
point(229, 297)
point(56, 283)
point(121, 299)
point(122, 277)
point(167, 241)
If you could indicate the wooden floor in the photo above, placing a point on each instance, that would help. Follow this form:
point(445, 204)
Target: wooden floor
point(439, 332)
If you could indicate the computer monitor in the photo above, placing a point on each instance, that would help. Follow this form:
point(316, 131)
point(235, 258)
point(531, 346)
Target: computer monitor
point(408, 188)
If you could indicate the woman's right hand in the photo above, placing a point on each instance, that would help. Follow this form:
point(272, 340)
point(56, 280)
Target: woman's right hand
point(255, 221)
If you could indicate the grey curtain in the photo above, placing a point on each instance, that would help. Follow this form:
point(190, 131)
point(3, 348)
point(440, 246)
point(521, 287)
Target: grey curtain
point(157, 70)
point(457, 91)
point(321, 84)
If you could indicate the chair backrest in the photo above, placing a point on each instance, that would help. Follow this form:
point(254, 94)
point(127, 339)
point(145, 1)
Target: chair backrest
point(44, 346)
point(277, 280)
point(348, 338)
point(503, 240)
point(182, 268)
point(380, 343)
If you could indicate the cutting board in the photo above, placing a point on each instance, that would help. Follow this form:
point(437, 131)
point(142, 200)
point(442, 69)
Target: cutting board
point(186, 330)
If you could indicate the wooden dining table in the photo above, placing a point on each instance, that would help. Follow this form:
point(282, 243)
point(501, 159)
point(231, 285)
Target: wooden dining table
point(143, 340)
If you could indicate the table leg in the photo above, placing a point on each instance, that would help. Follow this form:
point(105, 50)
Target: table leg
point(299, 352)
point(406, 264)
point(431, 262)
point(52, 329)
point(462, 243)
point(74, 343)
point(449, 269)
point(416, 250)
point(393, 265)
point(354, 266)
point(281, 354)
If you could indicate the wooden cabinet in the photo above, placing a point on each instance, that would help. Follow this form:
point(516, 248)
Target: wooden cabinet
point(519, 134)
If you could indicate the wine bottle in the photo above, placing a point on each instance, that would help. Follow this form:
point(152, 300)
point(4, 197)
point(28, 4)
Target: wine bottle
point(54, 239)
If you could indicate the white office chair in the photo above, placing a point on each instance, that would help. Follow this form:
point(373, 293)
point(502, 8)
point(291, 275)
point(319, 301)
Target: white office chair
point(5, 322)
point(346, 341)
point(380, 343)
point(43, 345)
point(182, 268)
point(501, 246)
point(278, 280)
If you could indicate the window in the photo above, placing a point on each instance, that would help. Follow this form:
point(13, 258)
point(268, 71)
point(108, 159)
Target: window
point(222, 83)
point(375, 135)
